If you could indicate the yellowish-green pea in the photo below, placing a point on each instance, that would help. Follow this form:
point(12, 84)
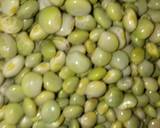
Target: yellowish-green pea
point(144, 28)
point(13, 113)
point(77, 8)
point(76, 99)
point(90, 46)
point(65, 72)
point(13, 66)
point(27, 23)
point(32, 84)
point(90, 105)
point(28, 9)
point(86, 22)
point(33, 60)
point(74, 124)
point(79, 48)
point(154, 97)
point(67, 25)
point(95, 89)
point(96, 73)
point(142, 100)
point(136, 41)
point(72, 111)
point(107, 124)
point(150, 111)
point(123, 115)
point(52, 82)
point(154, 123)
point(154, 14)
point(152, 50)
point(70, 84)
point(120, 33)
point(143, 66)
point(61, 43)
point(137, 55)
point(4, 124)
point(150, 84)
point(128, 102)
point(78, 62)
point(63, 102)
point(37, 33)
point(141, 6)
point(8, 47)
point(119, 60)
point(134, 69)
point(62, 94)
point(125, 83)
point(25, 122)
point(57, 2)
point(108, 41)
point(9, 7)
point(50, 111)
point(117, 124)
point(39, 124)
point(25, 45)
point(78, 37)
point(82, 86)
point(128, 49)
point(88, 120)
point(126, 71)
point(139, 112)
point(155, 36)
point(53, 19)
point(154, 4)
point(130, 20)
point(102, 18)
point(1, 78)
point(114, 97)
point(42, 67)
point(10, 24)
point(100, 57)
point(29, 107)
point(43, 97)
point(14, 93)
point(110, 115)
point(58, 61)
point(114, 11)
point(112, 76)
point(133, 122)
point(47, 49)
point(102, 107)
point(95, 34)
point(1, 105)
point(138, 86)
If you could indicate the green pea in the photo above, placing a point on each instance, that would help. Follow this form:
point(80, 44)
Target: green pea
point(48, 50)
point(150, 111)
point(1, 103)
point(14, 93)
point(114, 11)
point(112, 76)
point(117, 124)
point(108, 41)
point(27, 23)
point(142, 100)
point(25, 122)
point(95, 89)
point(86, 22)
point(143, 66)
point(125, 83)
point(82, 86)
point(141, 6)
point(110, 115)
point(37, 33)
point(28, 9)
point(57, 2)
point(138, 86)
point(72, 111)
point(100, 57)
point(154, 97)
point(50, 111)
point(119, 60)
point(78, 62)
point(102, 18)
point(43, 97)
point(63, 102)
point(88, 119)
point(114, 97)
point(24, 44)
point(137, 55)
point(133, 122)
point(154, 4)
point(53, 20)
point(42, 68)
point(155, 37)
point(62, 94)
point(79, 48)
point(39, 124)
point(150, 84)
point(77, 8)
point(144, 28)
point(96, 73)
point(32, 84)
point(13, 113)
point(154, 14)
point(152, 50)
point(102, 107)
point(90, 46)
point(67, 25)
point(76, 99)
point(65, 72)
point(13, 66)
point(8, 47)
point(74, 124)
point(139, 113)
point(90, 105)
point(126, 71)
point(29, 107)
point(95, 34)
point(128, 102)
point(33, 60)
point(52, 82)
point(154, 123)
point(4, 124)
point(123, 115)
point(78, 37)
point(10, 24)
point(70, 84)
point(136, 41)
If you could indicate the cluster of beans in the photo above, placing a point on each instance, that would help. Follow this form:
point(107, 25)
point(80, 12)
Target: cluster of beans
point(79, 63)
